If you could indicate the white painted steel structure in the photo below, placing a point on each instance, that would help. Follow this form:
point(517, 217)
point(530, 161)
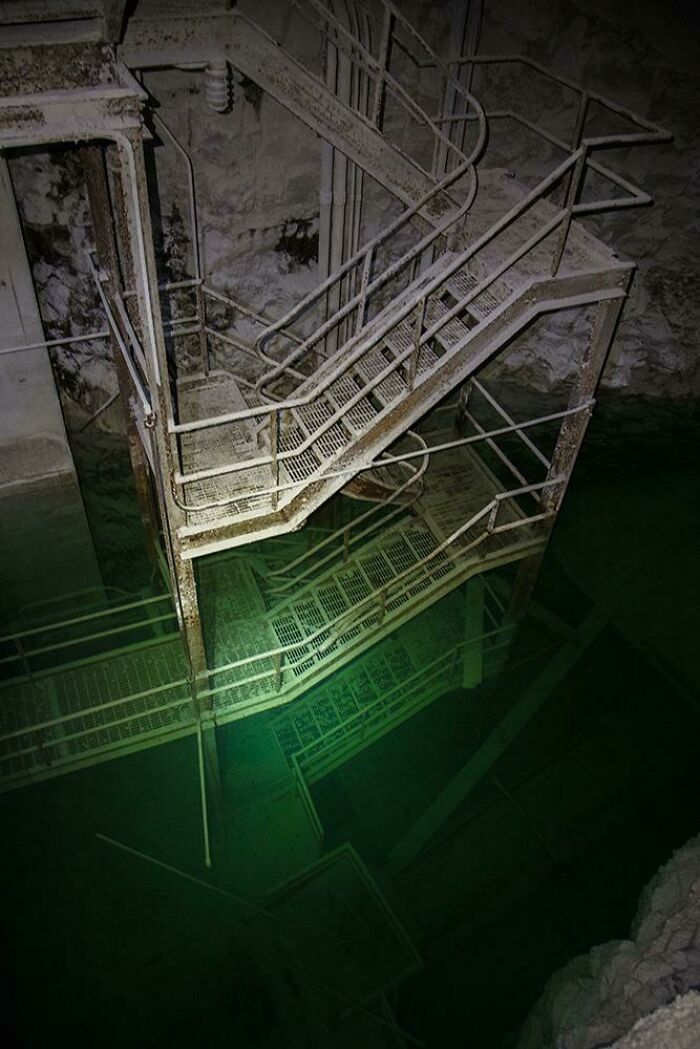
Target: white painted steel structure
point(319, 397)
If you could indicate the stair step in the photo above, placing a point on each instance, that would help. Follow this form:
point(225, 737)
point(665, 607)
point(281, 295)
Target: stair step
point(362, 415)
point(332, 599)
point(462, 283)
point(390, 389)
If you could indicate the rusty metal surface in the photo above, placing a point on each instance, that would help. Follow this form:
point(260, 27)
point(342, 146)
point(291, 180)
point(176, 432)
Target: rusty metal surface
point(235, 38)
point(66, 92)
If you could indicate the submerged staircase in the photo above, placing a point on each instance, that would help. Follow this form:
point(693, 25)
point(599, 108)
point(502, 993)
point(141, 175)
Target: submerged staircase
point(289, 629)
point(399, 677)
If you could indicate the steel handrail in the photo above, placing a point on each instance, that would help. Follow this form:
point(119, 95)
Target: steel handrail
point(653, 132)
point(359, 301)
point(27, 653)
point(458, 262)
point(431, 670)
point(63, 623)
point(246, 311)
point(382, 329)
point(366, 250)
point(280, 651)
point(292, 485)
point(637, 196)
point(377, 68)
point(487, 511)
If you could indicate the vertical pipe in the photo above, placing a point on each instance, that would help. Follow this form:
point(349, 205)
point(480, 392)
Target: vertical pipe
point(376, 116)
point(574, 187)
point(274, 463)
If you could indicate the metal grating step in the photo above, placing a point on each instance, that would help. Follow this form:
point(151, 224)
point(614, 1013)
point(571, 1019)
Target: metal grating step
point(462, 283)
point(373, 363)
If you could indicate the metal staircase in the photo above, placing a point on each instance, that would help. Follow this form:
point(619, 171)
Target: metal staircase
point(230, 453)
point(290, 628)
point(397, 364)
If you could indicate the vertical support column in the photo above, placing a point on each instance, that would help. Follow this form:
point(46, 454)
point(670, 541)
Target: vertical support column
point(473, 663)
point(571, 435)
point(140, 249)
point(525, 582)
point(101, 212)
point(573, 428)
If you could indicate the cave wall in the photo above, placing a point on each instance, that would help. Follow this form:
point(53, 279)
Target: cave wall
point(257, 171)
point(600, 996)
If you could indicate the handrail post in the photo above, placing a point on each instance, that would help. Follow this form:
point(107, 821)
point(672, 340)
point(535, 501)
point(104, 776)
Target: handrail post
point(574, 187)
point(274, 462)
point(382, 605)
point(415, 354)
point(366, 269)
point(200, 300)
point(383, 59)
point(279, 658)
point(346, 545)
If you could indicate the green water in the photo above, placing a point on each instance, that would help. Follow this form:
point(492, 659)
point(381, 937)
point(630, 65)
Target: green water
point(102, 948)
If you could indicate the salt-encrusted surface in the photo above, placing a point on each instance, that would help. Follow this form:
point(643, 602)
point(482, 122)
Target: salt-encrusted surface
point(257, 179)
point(598, 997)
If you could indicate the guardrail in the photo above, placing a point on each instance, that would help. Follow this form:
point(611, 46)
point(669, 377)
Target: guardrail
point(366, 340)
point(446, 561)
point(340, 542)
point(25, 657)
point(385, 600)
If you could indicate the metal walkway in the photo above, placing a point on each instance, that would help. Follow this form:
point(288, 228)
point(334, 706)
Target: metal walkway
point(248, 446)
point(354, 708)
point(288, 628)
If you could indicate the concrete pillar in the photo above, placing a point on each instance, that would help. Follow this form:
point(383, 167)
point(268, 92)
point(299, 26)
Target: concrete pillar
point(47, 549)
point(33, 442)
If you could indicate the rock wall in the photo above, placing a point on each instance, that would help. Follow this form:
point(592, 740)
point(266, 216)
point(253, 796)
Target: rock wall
point(639, 55)
point(599, 997)
point(257, 172)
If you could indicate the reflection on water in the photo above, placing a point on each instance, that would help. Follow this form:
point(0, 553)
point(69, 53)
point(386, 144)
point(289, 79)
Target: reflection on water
point(544, 859)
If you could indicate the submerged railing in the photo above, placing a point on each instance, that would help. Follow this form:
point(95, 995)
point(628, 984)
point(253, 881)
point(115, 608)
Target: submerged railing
point(275, 669)
point(29, 648)
point(447, 557)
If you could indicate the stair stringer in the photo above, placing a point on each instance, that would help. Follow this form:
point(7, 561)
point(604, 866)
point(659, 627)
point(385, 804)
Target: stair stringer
point(252, 51)
point(537, 297)
point(370, 636)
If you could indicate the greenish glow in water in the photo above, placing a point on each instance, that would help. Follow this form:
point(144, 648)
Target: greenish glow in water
point(104, 949)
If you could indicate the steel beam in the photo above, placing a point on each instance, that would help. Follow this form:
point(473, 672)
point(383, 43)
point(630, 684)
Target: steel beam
point(93, 162)
point(234, 38)
point(486, 756)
